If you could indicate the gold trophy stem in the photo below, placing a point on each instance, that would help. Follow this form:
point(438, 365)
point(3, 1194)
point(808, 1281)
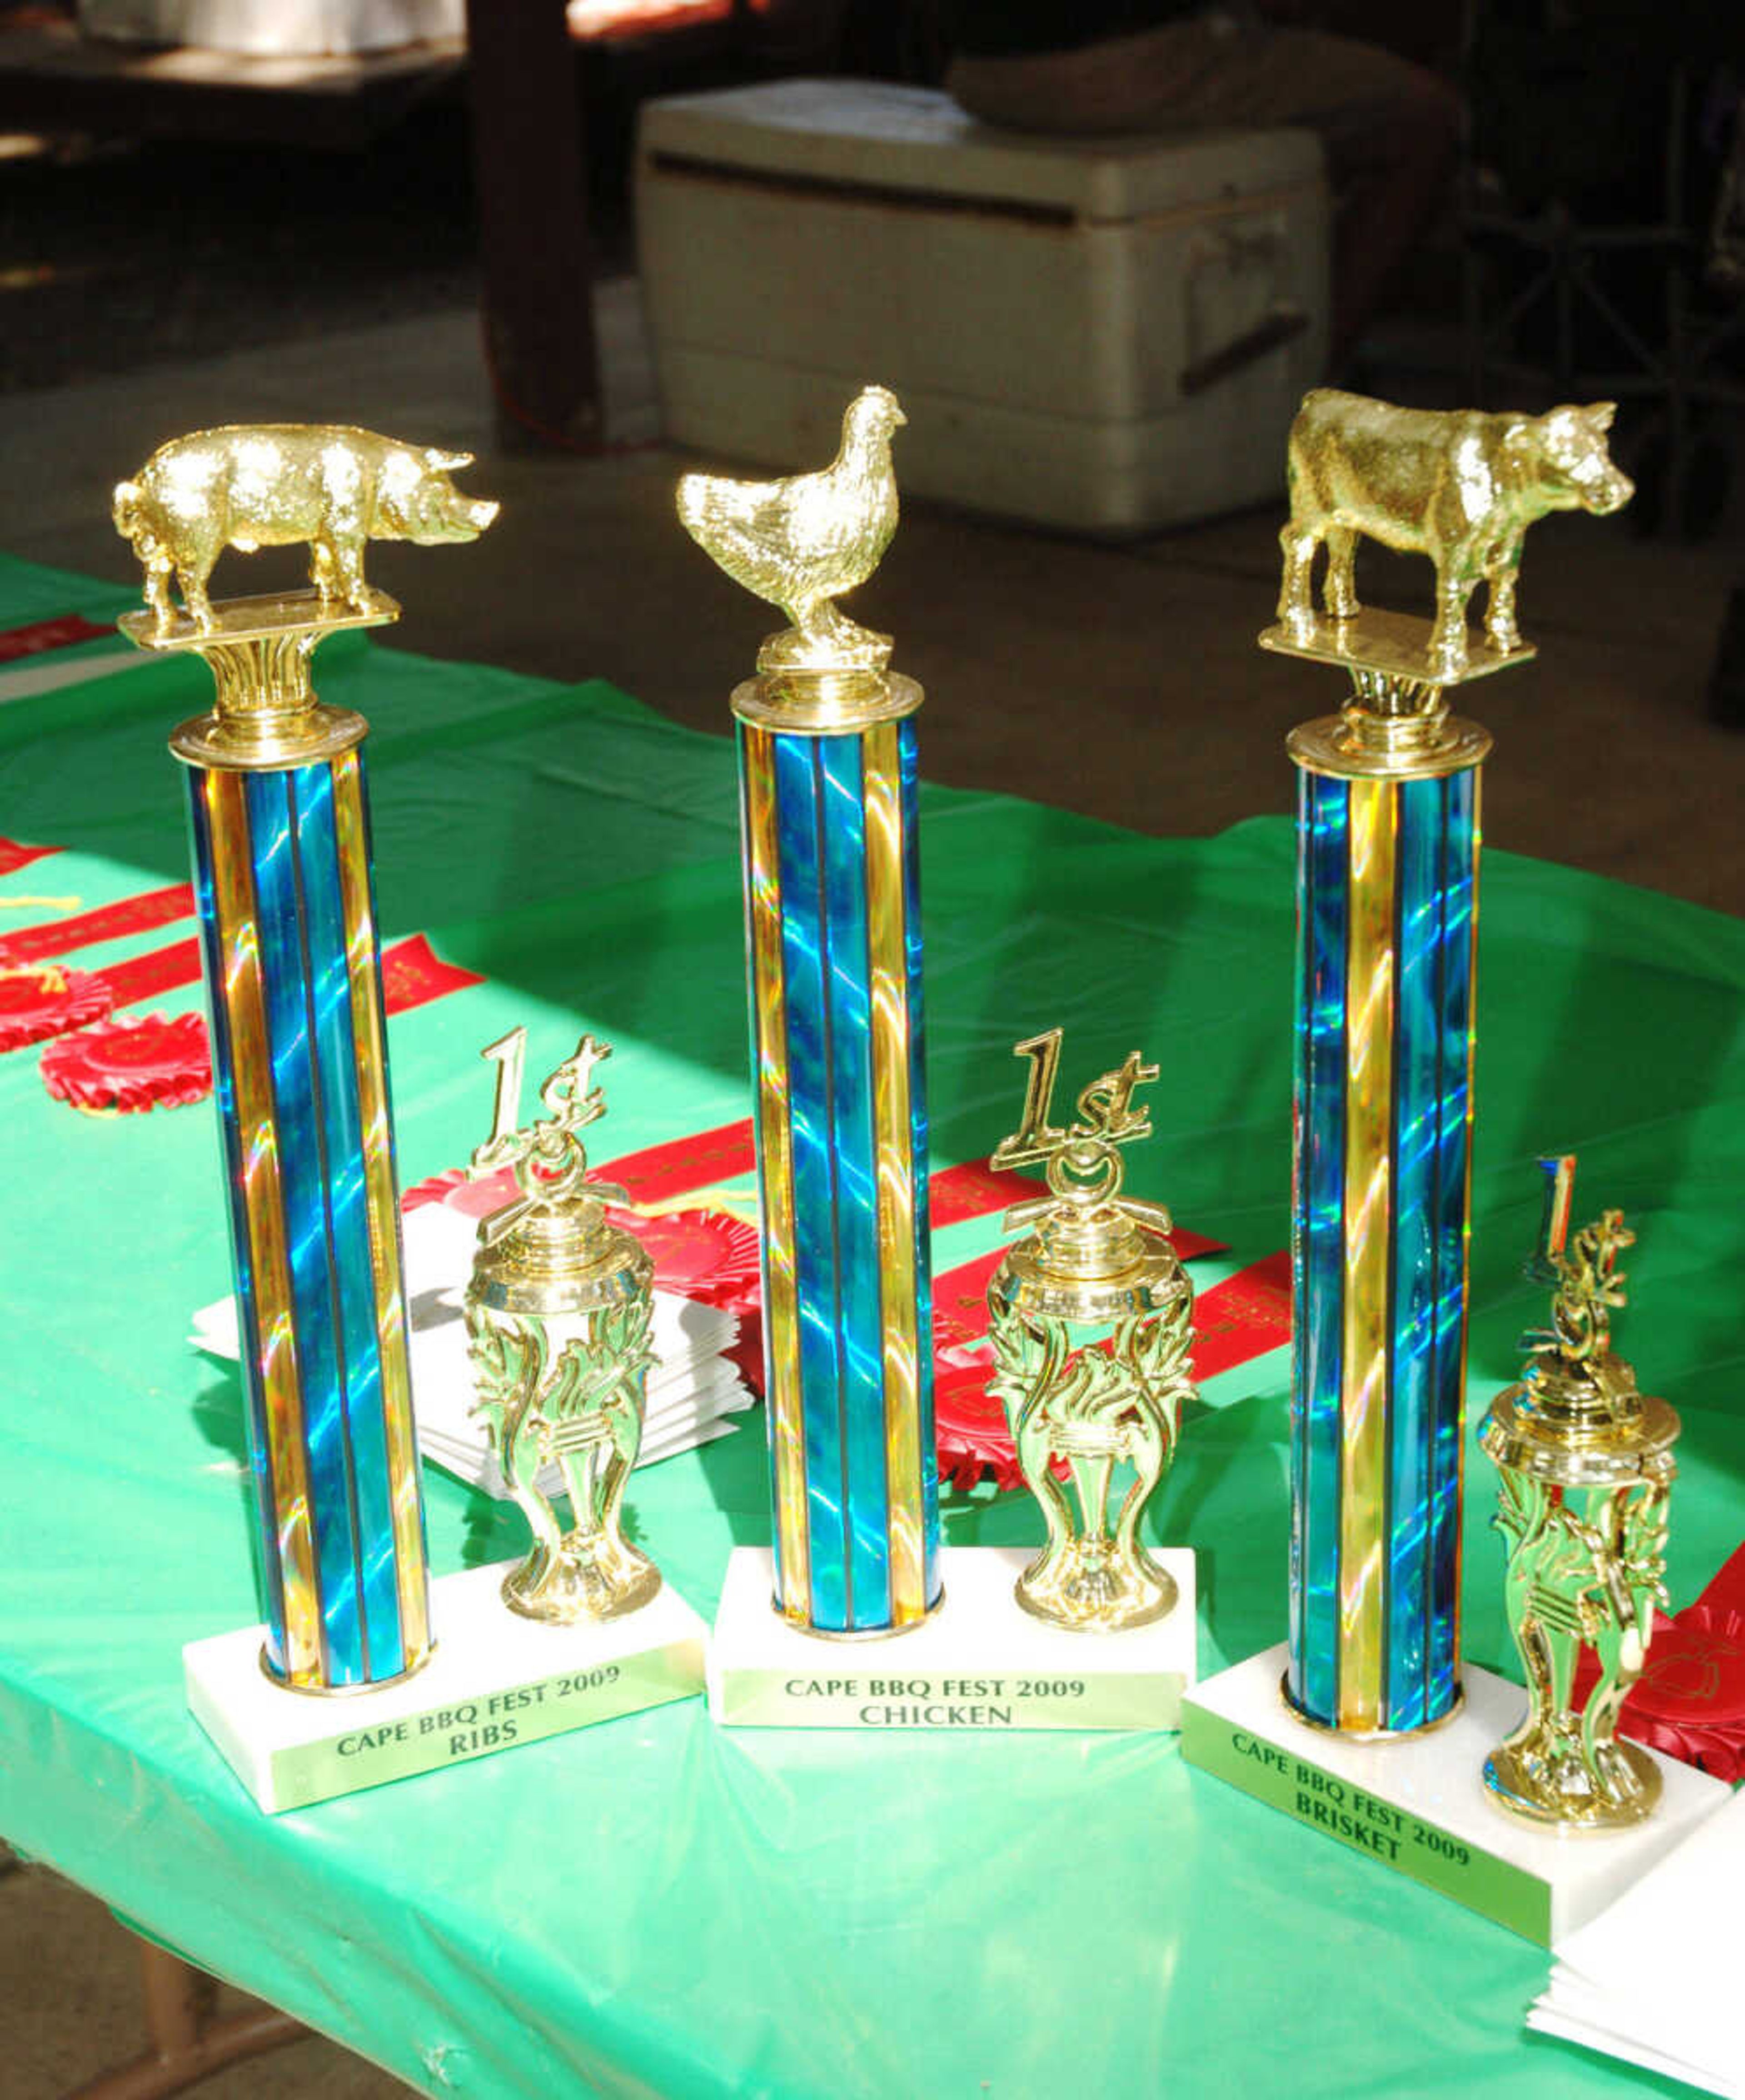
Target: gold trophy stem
point(266, 717)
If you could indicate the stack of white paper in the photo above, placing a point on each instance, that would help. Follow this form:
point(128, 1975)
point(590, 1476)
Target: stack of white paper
point(1655, 1979)
point(692, 1389)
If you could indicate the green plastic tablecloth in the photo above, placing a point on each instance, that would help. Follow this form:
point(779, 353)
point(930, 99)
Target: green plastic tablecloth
point(651, 1906)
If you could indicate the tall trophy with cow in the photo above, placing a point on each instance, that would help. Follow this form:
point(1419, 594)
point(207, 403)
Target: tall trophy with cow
point(284, 892)
point(1365, 1722)
point(1387, 888)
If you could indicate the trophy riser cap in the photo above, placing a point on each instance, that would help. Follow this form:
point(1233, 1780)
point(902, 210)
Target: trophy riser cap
point(224, 743)
point(1343, 748)
point(825, 703)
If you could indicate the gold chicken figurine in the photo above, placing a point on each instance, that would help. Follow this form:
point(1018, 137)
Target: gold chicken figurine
point(800, 543)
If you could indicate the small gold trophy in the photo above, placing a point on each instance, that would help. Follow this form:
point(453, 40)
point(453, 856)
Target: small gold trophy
point(1586, 1470)
point(1091, 1321)
point(559, 1313)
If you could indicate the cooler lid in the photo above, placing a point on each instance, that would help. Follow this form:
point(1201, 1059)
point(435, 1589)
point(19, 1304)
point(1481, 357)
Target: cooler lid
point(879, 135)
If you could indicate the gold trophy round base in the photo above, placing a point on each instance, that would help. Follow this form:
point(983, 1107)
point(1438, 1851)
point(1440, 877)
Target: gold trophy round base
point(1518, 1784)
point(1090, 1593)
point(1367, 1734)
point(575, 1587)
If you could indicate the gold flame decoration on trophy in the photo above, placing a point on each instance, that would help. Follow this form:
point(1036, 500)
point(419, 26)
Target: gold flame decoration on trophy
point(1587, 1469)
point(1091, 1318)
point(559, 1314)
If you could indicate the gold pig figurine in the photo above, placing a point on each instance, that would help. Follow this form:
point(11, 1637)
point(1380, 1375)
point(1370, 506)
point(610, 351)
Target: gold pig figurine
point(254, 485)
point(1455, 484)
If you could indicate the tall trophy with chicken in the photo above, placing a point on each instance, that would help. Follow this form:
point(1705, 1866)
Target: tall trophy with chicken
point(827, 777)
point(828, 774)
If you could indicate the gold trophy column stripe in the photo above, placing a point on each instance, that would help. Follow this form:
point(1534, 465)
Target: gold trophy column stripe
point(263, 1202)
point(381, 1206)
point(781, 1313)
point(894, 1145)
point(1368, 1206)
point(1466, 1208)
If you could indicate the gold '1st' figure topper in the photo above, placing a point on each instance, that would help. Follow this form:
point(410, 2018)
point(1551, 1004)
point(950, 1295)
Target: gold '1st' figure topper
point(558, 1315)
point(1091, 1321)
point(1587, 1468)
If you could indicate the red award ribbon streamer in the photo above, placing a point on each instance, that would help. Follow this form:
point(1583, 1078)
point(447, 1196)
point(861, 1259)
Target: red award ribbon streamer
point(15, 855)
point(1689, 1703)
point(413, 974)
point(42, 635)
point(109, 922)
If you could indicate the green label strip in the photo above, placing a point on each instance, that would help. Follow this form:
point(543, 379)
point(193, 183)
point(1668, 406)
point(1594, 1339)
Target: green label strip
point(777, 1699)
point(1494, 1887)
point(475, 1727)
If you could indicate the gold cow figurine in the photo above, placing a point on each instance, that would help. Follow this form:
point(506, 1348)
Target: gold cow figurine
point(1458, 485)
point(275, 484)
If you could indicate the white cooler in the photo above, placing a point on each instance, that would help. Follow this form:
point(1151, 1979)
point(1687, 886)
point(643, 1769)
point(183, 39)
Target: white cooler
point(1108, 335)
point(275, 28)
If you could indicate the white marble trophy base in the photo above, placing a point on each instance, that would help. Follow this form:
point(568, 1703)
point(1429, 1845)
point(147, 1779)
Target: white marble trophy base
point(1419, 1803)
point(981, 1661)
point(495, 1680)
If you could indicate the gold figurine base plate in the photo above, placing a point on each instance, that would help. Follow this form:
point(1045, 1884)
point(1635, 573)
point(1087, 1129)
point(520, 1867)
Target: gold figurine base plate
point(1418, 1805)
point(980, 1663)
point(265, 617)
point(495, 1680)
point(1395, 644)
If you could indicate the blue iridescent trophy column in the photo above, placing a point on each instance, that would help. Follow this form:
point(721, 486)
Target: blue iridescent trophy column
point(827, 784)
point(1387, 886)
point(287, 914)
point(1386, 893)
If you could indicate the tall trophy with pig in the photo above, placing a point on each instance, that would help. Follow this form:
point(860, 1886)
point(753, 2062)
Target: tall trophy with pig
point(284, 891)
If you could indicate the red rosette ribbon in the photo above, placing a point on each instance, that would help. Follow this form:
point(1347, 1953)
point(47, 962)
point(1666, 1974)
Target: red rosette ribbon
point(151, 1061)
point(37, 1000)
point(703, 1255)
point(1689, 1703)
point(970, 1424)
